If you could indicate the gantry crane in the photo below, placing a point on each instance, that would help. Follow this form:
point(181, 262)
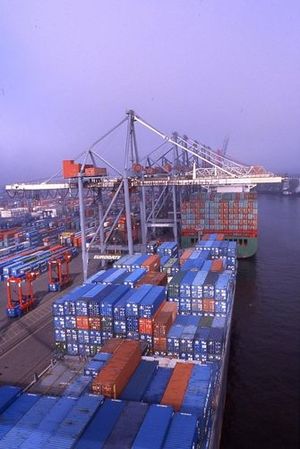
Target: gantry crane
point(156, 180)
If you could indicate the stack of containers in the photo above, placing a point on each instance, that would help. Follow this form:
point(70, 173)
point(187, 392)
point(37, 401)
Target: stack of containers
point(174, 334)
point(158, 385)
point(182, 432)
point(107, 310)
point(186, 342)
point(154, 428)
point(132, 311)
point(185, 293)
point(199, 292)
point(220, 213)
point(118, 276)
point(163, 321)
point(191, 338)
point(137, 385)
point(150, 263)
point(124, 430)
point(148, 308)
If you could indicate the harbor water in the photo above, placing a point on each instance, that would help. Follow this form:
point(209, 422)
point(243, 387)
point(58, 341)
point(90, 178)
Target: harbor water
point(263, 392)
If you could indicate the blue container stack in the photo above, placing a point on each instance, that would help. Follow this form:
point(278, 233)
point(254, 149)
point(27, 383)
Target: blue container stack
point(90, 315)
point(189, 340)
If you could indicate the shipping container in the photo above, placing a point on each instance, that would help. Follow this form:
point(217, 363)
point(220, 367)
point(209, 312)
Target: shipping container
point(75, 422)
point(154, 428)
point(15, 411)
point(157, 386)
point(127, 426)
point(175, 391)
point(182, 432)
point(137, 385)
point(101, 425)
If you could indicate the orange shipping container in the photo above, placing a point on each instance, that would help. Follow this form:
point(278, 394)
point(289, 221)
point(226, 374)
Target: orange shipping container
point(152, 263)
point(170, 307)
point(160, 345)
point(153, 278)
point(95, 323)
point(177, 385)
point(82, 322)
point(164, 319)
point(115, 375)
point(70, 169)
point(146, 324)
point(208, 305)
point(95, 171)
point(111, 345)
point(185, 255)
point(217, 266)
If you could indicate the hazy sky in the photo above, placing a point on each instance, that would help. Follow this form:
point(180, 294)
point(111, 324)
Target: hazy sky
point(70, 69)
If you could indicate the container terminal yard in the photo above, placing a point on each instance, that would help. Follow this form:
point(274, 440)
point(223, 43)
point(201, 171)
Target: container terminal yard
point(117, 296)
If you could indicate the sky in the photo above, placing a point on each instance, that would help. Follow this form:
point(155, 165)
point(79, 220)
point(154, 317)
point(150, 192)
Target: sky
point(70, 69)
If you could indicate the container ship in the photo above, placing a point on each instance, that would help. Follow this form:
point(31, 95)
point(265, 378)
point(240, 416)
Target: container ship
point(152, 335)
point(233, 214)
point(142, 348)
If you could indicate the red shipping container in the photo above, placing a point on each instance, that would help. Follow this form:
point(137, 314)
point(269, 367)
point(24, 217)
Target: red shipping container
point(146, 326)
point(217, 266)
point(95, 323)
point(160, 345)
point(208, 305)
point(82, 322)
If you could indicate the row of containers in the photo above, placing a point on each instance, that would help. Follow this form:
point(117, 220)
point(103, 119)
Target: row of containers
point(235, 212)
point(31, 260)
point(185, 318)
point(122, 400)
point(41, 232)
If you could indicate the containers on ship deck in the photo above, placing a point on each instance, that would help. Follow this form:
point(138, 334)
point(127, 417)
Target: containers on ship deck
point(26, 425)
point(157, 386)
point(182, 432)
point(137, 385)
point(15, 411)
point(153, 430)
point(127, 426)
point(101, 425)
point(8, 394)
